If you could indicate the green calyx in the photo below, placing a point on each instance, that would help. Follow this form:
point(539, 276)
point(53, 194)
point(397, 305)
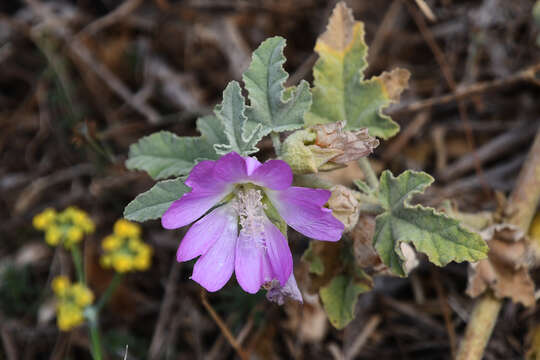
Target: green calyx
point(305, 157)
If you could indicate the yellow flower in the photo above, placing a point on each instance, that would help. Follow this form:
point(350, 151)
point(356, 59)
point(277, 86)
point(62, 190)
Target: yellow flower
point(124, 250)
point(141, 262)
point(60, 285)
point(88, 226)
point(44, 219)
point(53, 235)
point(122, 262)
point(134, 244)
point(69, 315)
point(81, 219)
point(111, 243)
point(105, 261)
point(72, 300)
point(126, 228)
point(73, 235)
point(83, 296)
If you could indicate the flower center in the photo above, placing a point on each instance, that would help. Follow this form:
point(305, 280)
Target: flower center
point(250, 209)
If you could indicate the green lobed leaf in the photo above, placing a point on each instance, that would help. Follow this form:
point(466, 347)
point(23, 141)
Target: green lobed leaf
point(164, 154)
point(271, 105)
point(339, 299)
point(230, 112)
point(154, 202)
point(340, 91)
point(441, 238)
point(212, 130)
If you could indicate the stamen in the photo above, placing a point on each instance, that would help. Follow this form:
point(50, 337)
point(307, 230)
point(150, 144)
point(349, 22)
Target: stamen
point(250, 209)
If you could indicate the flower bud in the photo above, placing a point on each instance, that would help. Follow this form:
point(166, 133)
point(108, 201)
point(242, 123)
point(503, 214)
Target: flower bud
point(326, 147)
point(352, 144)
point(344, 206)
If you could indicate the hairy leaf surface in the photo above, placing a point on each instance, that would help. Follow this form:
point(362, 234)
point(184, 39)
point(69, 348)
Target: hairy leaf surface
point(231, 113)
point(441, 238)
point(164, 154)
point(153, 203)
point(340, 91)
point(264, 81)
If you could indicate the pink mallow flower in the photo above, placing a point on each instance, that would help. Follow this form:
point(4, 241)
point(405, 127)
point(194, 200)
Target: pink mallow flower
point(235, 194)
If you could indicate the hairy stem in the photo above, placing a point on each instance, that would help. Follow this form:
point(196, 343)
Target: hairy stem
point(520, 212)
point(276, 142)
point(368, 172)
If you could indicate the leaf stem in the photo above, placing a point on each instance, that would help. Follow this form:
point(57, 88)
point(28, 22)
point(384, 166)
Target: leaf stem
point(520, 212)
point(109, 291)
point(276, 142)
point(77, 260)
point(370, 175)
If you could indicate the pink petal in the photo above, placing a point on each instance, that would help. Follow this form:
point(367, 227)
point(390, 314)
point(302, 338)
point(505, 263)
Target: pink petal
point(230, 168)
point(261, 259)
point(201, 175)
point(203, 234)
point(273, 174)
point(214, 269)
point(250, 263)
point(278, 252)
point(302, 209)
point(251, 164)
point(191, 206)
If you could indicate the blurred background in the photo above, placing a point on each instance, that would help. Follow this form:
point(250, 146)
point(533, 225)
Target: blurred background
point(81, 80)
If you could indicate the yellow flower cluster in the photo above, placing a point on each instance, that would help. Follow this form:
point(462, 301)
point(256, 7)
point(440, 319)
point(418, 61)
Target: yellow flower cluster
point(67, 227)
point(124, 249)
point(72, 300)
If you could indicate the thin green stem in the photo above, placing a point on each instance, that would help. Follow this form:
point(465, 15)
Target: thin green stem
point(370, 175)
point(93, 324)
point(110, 290)
point(77, 260)
point(276, 142)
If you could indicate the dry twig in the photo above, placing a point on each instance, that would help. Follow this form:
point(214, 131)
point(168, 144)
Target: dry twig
point(223, 327)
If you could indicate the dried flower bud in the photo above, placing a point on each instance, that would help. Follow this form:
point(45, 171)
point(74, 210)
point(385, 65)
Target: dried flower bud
point(326, 147)
point(344, 206)
point(352, 144)
point(277, 294)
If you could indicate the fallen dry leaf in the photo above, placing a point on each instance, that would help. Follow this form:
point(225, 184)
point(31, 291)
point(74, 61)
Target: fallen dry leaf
point(506, 270)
